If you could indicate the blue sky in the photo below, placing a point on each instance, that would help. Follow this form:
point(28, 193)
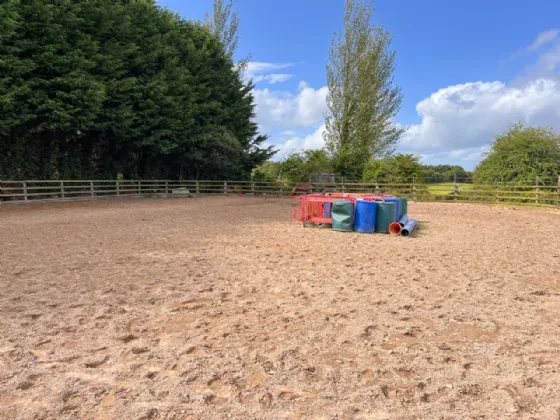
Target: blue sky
point(466, 68)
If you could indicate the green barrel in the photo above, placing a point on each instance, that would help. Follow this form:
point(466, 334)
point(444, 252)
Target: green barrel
point(386, 214)
point(342, 213)
point(404, 207)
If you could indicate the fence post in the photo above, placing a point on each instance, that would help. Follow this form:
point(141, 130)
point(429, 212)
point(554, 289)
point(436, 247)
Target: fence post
point(25, 190)
point(166, 187)
point(558, 200)
point(252, 186)
point(197, 187)
point(456, 189)
point(414, 189)
point(61, 189)
point(139, 188)
point(118, 188)
point(91, 188)
point(537, 189)
point(225, 188)
point(343, 184)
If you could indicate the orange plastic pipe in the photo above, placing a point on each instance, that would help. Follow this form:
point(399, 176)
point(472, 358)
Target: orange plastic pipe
point(395, 228)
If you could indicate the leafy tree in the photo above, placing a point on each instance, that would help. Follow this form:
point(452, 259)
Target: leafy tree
point(58, 96)
point(301, 167)
point(362, 98)
point(401, 168)
point(224, 24)
point(445, 173)
point(107, 87)
point(521, 154)
point(268, 172)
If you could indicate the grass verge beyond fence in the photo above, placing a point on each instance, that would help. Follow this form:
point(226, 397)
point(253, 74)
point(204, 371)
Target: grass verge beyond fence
point(14, 191)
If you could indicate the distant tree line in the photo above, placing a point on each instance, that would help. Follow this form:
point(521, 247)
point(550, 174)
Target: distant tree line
point(446, 173)
point(107, 88)
point(521, 155)
point(398, 168)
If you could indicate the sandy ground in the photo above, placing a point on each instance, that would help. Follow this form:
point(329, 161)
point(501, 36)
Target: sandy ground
point(226, 308)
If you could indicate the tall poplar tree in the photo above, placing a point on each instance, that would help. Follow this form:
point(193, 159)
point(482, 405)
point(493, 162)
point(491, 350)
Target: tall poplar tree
point(363, 100)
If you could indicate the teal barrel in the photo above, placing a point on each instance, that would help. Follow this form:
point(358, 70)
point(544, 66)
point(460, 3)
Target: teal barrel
point(404, 206)
point(364, 221)
point(386, 214)
point(397, 202)
point(342, 213)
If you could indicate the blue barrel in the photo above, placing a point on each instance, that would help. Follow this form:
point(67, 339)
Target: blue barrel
point(364, 221)
point(397, 202)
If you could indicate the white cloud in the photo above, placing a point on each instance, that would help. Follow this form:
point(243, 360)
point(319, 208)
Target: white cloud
point(549, 63)
point(544, 38)
point(272, 78)
point(459, 121)
point(259, 71)
point(257, 67)
point(298, 143)
point(304, 108)
point(468, 157)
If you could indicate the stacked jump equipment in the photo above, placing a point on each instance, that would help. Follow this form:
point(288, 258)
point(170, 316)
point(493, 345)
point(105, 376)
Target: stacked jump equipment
point(362, 213)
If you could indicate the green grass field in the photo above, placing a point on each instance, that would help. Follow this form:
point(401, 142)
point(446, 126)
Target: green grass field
point(445, 188)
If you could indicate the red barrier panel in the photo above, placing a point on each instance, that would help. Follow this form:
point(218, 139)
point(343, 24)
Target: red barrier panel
point(316, 208)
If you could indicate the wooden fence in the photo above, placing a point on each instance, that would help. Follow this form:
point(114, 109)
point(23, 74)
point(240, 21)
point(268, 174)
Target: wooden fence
point(31, 190)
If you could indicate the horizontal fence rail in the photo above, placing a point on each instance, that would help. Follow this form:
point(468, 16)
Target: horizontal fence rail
point(33, 190)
